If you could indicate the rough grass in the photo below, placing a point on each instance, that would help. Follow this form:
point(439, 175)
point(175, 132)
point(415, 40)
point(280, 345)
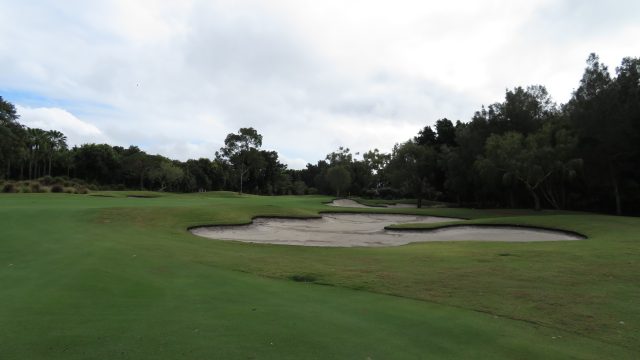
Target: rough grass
point(119, 277)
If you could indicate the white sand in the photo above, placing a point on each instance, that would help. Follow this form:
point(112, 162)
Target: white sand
point(345, 230)
point(355, 204)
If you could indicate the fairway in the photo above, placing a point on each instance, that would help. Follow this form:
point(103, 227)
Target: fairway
point(109, 276)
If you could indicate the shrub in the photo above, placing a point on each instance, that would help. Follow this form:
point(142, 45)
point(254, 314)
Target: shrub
point(57, 188)
point(81, 190)
point(389, 193)
point(9, 188)
point(35, 187)
point(299, 187)
point(47, 180)
point(371, 193)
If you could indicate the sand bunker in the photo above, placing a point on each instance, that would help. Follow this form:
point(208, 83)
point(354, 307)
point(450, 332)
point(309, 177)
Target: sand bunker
point(345, 230)
point(355, 204)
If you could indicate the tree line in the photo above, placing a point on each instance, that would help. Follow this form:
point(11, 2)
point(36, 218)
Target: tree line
point(525, 151)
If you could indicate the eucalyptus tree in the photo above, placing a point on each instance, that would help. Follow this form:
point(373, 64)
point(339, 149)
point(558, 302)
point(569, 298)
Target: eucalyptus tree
point(242, 151)
point(531, 160)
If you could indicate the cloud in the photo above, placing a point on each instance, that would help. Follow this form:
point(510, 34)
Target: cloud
point(77, 131)
point(176, 77)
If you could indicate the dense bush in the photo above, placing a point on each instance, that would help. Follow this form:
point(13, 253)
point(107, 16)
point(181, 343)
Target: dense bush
point(9, 188)
point(389, 193)
point(57, 188)
point(35, 187)
point(47, 180)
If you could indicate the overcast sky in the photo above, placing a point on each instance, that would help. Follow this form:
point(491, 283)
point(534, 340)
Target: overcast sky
point(174, 77)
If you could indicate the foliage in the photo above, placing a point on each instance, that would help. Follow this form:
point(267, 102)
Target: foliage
point(411, 169)
point(338, 178)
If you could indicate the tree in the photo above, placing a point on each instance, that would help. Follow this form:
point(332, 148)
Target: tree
point(445, 132)
point(167, 174)
point(412, 167)
point(242, 151)
point(426, 136)
point(97, 163)
point(376, 162)
point(342, 157)
point(604, 112)
point(270, 174)
point(338, 178)
point(136, 166)
point(12, 137)
point(529, 160)
point(525, 110)
point(55, 142)
point(36, 146)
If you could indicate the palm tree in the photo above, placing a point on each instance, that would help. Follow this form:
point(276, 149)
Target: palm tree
point(35, 144)
point(56, 141)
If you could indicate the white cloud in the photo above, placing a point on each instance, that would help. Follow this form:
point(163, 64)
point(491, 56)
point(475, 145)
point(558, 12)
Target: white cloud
point(176, 77)
point(77, 131)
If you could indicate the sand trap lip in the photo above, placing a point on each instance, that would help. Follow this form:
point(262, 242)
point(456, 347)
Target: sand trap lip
point(355, 204)
point(347, 230)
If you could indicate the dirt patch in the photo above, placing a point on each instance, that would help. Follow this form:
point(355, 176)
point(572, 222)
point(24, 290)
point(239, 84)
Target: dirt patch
point(347, 230)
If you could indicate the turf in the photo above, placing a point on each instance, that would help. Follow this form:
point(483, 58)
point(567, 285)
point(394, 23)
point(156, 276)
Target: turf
point(112, 276)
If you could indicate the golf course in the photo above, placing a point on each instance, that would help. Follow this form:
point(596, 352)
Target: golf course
point(118, 275)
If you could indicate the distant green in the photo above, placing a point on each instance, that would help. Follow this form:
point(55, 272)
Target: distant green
point(116, 277)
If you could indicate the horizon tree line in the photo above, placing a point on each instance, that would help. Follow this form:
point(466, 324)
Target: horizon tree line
point(525, 151)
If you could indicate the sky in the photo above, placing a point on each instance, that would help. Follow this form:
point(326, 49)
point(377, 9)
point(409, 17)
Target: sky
point(175, 77)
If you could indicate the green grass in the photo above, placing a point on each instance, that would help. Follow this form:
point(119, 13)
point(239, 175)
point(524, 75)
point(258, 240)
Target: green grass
point(115, 277)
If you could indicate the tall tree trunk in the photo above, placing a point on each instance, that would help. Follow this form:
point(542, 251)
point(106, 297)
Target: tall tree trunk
point(564, 196)
point(550, 197)
point(512, 200)
point(536, 198)
point(50, 158)
point(616, 190)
